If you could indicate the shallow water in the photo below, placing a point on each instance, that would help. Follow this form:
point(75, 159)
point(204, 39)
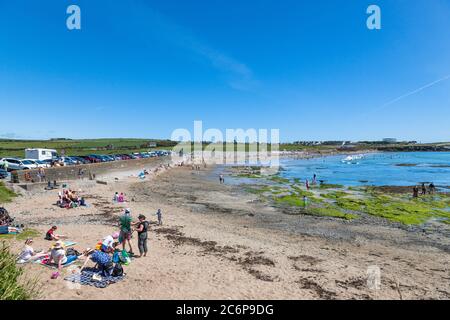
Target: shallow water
point(376, 169)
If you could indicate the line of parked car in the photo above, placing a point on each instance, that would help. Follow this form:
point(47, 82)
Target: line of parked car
point(26, 164)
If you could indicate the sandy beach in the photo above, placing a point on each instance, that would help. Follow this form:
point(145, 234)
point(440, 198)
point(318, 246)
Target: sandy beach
point(219, 242)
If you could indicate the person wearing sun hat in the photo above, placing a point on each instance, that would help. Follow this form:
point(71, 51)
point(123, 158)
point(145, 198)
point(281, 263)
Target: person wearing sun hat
point(58, 255)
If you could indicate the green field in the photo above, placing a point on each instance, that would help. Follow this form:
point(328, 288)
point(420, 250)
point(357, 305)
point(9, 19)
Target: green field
point(16, 148)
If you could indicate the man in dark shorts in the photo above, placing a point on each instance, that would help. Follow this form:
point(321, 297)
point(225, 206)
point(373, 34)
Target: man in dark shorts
point(125, 229)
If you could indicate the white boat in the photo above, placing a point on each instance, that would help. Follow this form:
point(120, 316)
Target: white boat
point(352, 159)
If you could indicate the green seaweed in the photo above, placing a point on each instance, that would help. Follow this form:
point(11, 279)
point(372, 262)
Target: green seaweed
point(330, 186)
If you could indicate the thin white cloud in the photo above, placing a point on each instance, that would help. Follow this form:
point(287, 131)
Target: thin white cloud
point(413, 92)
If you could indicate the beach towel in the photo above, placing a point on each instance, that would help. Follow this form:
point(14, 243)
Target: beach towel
point(10, 230)
point(85, 278)
point(69, 243)
point(43, 262)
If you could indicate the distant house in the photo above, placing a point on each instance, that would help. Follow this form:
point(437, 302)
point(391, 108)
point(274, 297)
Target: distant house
point(390, 140)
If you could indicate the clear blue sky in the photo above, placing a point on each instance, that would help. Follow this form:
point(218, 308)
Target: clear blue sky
point(144, 68)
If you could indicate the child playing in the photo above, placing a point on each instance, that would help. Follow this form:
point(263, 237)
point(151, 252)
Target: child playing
point(50, 235)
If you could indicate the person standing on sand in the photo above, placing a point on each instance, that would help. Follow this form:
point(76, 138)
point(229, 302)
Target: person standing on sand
point(125, 230)
point(221, 179)
point(159, 215)
point(307, 184)
point(142, 228)
point(314, 179)
point(41, 174)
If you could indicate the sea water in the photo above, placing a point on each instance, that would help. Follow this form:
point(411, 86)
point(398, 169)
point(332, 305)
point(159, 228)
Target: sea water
point(378, 169)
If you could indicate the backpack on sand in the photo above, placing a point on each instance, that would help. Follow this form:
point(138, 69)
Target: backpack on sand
point(118, 270)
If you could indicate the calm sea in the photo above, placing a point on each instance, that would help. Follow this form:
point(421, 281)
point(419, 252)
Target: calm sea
point(398, 169)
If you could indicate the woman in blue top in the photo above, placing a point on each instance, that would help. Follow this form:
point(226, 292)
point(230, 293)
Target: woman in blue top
point(102, 259)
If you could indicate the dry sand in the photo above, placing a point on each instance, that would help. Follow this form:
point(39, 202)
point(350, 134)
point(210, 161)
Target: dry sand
point(218, 242)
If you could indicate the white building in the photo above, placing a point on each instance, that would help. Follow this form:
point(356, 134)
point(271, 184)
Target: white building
point(40, 154)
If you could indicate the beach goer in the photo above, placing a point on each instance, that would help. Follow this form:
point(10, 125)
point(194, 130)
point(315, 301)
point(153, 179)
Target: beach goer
point(415, 192)
point(307, 184)
point(125, 229)
point(305, 201)
point(159, 216)
point(221, 178)
point(59, 257)
point(142, 228)
point(28, 254)
point(41, 174)
point(431, 188)
point(424, 189)
point(116, 197)
point(121, 198)
point(314, 179)
point(50, 235)
point(102, 260)
point(108, 242)
point(80, 173)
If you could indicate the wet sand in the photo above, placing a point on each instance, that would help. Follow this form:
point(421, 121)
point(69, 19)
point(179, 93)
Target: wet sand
point(218, 242)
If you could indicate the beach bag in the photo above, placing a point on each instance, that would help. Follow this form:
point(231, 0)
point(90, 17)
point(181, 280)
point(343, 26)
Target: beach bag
point(125, 257)
point(72, 252)
point(117, 271)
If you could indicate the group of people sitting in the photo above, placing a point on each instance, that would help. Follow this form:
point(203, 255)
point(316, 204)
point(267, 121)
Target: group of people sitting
point(69, 199)
point(106, 254)
point(119, 198)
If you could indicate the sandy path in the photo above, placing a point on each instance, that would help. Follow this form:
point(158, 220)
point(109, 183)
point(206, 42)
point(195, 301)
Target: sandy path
point(217, 242)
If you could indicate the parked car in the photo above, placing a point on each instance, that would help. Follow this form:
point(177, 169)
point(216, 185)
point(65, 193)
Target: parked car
point(118, 157)
point(125, 157)
point(67, 161)
point(93, 158)
point(17, 164)
point(38, 163)
point(80, 160)
point(109, 157)
point(3, 174)
point(132, 156)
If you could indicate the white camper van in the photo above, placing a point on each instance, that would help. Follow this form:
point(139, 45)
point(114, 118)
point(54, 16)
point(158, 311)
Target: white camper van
point(40, 154)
